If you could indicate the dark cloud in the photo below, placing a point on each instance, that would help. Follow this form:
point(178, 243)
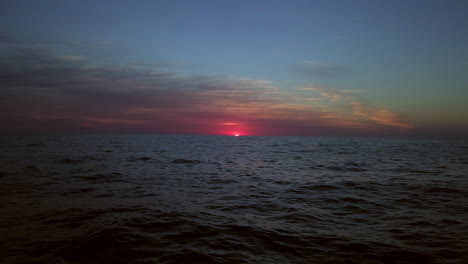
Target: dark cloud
point(5, 39)
point(38, 86)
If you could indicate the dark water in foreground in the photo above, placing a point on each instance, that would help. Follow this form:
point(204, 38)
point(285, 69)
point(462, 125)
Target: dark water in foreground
point(215, 199)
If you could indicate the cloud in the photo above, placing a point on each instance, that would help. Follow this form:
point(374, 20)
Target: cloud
point(229, 124)
point(320, 69)
point(44, 90)
point(360, 110)
point(380, 115)
point(6, 39)
point(330, 93)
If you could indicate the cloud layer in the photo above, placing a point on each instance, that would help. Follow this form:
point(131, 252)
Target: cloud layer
point(42, 90)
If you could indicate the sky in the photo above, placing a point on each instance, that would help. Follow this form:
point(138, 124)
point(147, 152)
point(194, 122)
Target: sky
point(259, 68)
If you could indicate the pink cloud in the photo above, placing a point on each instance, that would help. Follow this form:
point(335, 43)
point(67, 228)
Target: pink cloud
point(380, 115)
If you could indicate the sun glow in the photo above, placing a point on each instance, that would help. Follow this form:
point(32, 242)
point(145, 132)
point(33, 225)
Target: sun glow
point(236, 134)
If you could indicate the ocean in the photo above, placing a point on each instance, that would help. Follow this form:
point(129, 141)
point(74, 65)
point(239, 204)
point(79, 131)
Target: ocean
point(225, 199)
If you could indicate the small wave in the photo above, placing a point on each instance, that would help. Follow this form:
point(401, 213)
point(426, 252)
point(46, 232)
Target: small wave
point(111, 245)
point(283, 182)
point(99, 177)
point(184, 161)
point(351, 169)
point(80, 191)
point(133, 159)
point(31, 168)
point(33, 145)
point(443, 190)
point(419, 171)
point(354, 209)
point(353, 200)
point(318, 187)
point(357, 185)
point(188, 256)
point(104, 195)
point(69, 161)
point(93, 158)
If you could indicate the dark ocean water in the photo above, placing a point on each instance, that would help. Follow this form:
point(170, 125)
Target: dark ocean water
point(217, 199)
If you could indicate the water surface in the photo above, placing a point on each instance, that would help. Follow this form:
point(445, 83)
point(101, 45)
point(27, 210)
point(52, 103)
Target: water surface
point(217, 199)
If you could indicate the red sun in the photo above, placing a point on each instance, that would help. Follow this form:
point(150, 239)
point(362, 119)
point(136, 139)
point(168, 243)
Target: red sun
point(233, 129)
